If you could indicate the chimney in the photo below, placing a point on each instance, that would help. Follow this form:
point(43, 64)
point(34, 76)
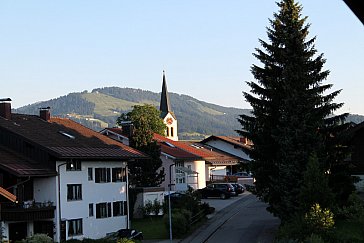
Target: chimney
point(44, 113)
point(244, 140)
point(5, 108)
point(128, 128)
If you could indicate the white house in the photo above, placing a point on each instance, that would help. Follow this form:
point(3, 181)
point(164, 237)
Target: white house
point(70, 182)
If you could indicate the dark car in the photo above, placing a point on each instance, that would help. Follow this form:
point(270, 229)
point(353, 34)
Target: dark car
point(221, 190)
point(125, 233)
point(239, 188)
point(243, 174)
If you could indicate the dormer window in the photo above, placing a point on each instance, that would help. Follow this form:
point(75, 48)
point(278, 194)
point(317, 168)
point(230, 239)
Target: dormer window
point(169, 144)
point(67, 135)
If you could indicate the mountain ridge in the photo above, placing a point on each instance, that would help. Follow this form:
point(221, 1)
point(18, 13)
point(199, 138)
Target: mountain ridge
point(101, 107)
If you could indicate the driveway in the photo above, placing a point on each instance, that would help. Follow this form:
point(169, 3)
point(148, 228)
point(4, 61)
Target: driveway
point(243, 219)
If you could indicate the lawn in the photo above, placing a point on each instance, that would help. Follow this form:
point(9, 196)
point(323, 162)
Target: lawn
point(349, 231)
point(152, 228)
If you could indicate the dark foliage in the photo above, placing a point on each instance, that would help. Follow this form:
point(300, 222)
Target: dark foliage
point(146, 121)
point(71, 103)
point(291, 106)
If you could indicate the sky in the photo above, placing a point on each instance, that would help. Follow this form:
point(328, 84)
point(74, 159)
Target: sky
point(51, 48)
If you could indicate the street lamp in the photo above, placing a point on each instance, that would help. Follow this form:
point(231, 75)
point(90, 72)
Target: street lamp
point(169, 202)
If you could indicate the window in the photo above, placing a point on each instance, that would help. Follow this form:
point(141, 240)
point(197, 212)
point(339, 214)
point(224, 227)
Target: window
point(74, 192)
point(118, 174)
point(171, 131)
point(167, 131)
point(91, 210)
point(74, 227)
point(102, 175)
point(119, 208)
point(90, 174)
point(73, 165)
point(103, 210)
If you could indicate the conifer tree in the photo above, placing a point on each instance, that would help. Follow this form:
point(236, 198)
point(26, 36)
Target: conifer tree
point(291, 106)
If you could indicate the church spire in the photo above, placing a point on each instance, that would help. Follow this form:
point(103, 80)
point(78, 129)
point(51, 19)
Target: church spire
point(165, 106)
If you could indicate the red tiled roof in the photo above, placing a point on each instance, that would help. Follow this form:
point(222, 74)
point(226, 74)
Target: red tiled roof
point(7, 194)
point(20, 165)
point(64, 138)
point(116, 130)
point(232, 140)
point(203, 151)
point(169, 147)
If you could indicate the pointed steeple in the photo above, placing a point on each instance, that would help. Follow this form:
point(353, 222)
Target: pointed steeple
point(165, 106)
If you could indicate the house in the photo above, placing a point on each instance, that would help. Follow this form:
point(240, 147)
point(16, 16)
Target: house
point(70, 182)
point(194, 163)
point(237, 146)
point(357, 153)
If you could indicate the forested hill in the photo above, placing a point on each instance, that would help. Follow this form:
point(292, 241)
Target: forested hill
point(101, 107)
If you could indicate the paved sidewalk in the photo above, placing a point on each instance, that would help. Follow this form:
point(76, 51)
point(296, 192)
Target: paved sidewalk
point(224, 211)
point(205, 231)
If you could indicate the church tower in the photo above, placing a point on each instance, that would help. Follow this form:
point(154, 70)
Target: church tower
point(166, 113)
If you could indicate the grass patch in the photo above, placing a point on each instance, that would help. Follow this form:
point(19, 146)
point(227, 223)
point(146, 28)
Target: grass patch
point(152, 228)
point(349, 231)
point(106, 105)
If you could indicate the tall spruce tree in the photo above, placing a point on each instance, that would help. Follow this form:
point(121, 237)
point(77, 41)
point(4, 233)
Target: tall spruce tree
point(291, 106)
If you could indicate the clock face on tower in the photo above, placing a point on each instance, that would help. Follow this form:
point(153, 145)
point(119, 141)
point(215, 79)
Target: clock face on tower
point(169, 121)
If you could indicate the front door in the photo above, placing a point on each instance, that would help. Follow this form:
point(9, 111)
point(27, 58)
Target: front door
point(17, 231)
point(44, 227)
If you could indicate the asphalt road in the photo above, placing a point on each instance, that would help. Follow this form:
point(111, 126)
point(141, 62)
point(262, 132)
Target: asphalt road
point(244, 219)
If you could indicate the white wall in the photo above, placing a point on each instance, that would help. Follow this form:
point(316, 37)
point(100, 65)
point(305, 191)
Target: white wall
point(229, 148)
point(91, 193)
point(200, 181)
point(166, 162)
point(45, 189)
point(174, 125)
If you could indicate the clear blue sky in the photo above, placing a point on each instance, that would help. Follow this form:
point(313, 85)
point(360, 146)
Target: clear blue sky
point(51, 48)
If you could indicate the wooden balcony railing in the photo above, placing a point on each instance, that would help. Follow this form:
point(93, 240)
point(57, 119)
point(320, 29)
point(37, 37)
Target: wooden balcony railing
point(27, 211)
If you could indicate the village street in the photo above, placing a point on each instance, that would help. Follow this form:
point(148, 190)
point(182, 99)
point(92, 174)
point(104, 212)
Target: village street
point(241, 219)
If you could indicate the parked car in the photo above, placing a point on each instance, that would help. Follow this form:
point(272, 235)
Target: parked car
point(243, 174)
point(239, 188)
point(125, 233)
point(221, 190)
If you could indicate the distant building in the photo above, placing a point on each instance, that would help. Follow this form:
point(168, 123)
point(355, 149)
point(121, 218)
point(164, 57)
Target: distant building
point(167, 115)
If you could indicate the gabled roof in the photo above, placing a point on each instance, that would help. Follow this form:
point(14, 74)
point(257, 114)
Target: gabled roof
point(236, 141)
point(167, 147)
point(357, 7)
point(200, 151)
point(64, 138)
point(116, 131)
point(212, 155)
point(20, 165)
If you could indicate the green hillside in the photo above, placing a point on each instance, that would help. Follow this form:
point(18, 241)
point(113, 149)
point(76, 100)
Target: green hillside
point(101, 107)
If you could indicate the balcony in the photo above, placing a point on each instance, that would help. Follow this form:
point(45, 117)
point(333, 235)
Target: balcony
point(27, 211)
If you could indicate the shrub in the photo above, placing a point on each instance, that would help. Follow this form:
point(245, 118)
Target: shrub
point(147, 209)
point(319, 220)
point(38, 238)
point(180, 222)
point(354, 210)
point(157, 206)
